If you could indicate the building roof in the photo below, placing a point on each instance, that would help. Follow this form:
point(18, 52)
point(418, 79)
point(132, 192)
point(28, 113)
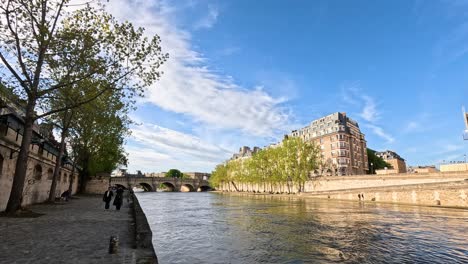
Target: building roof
point(388, 155)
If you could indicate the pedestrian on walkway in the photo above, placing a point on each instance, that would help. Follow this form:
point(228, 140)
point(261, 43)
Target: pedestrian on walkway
point(65, 195)
point(107, 198)
point(118, 200)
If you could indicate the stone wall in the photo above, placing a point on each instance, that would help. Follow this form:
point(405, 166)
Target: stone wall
point(39, 173)
point(319, 184)
point(451, 194)
point(143, 235)
point(97, 184)
point(454, 167)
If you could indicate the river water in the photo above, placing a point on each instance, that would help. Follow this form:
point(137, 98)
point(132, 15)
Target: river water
point(227, 228)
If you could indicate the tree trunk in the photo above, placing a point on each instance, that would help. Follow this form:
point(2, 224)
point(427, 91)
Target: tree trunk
point(70, 186)
point(84, 173)
point(16, 195)
point(58, 165)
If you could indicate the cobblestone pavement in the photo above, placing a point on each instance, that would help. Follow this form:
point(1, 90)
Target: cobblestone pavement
point(77, 231)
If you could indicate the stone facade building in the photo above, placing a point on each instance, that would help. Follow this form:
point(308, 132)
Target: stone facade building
point(398, 163)
point(245, 152)
point(202, 176)
point(449, 167)
point(341, 142)
point(42, 157)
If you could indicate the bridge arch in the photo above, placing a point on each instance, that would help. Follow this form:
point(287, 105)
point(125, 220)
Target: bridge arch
point(187, 188)
point(147, 187)
point(120, 185)
point(167, 187)
point(204, 188)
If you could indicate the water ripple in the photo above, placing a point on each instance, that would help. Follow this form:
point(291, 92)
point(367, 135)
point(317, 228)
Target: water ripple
point(219, 228)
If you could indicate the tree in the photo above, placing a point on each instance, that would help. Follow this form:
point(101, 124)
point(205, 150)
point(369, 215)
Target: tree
point(218, 176)
point(40, 45)
point(377, 162)
point(174, 173)
point(289, 163)
point(98, 134)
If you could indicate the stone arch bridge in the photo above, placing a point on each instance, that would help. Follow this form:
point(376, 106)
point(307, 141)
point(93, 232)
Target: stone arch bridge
point(152, 184)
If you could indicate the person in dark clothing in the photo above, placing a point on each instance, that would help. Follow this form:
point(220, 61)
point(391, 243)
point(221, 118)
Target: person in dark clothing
point(65, 195)
point(107, 198)
point(118, 198)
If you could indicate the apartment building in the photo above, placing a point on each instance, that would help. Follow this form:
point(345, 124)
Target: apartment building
point(398, 163)
point(342, 144)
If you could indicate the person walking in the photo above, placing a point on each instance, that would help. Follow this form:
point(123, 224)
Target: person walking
point(118, 200)
point(107, 198)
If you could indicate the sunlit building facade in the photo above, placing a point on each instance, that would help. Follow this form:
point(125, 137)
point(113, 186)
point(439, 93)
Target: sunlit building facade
point(341, 142)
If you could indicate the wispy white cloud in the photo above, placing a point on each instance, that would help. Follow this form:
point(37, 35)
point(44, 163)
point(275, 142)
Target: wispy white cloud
point(412, 126)
point(447, 148)
point(209, 20)
point(228, 51)
point(166, 148)
point(190, 87)
point(379, 131)
point(369, 111)
point(353, 94)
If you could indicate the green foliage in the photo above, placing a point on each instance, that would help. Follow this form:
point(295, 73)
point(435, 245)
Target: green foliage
point(290, 163)
point(174, 173)
point(377, 162)
point(56, 61)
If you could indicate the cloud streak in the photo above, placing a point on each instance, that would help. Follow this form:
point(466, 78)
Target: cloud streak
point(162, 148)
point(352, 94)
point(209, 20)
point(188, 85)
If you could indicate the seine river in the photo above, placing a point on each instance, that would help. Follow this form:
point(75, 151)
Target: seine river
point(223, 228)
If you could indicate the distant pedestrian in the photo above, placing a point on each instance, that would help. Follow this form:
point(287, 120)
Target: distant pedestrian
point(359, 196)
point(362, 195)
point(118, 200)
point(65, 195)
point(107, 198)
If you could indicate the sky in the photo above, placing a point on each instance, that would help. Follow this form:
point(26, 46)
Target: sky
point(244, 73)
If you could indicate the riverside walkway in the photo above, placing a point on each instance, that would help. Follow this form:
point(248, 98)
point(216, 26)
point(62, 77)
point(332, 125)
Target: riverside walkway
point(77, 231)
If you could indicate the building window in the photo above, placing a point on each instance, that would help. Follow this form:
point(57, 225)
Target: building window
point(50, 174)
point(38, 172)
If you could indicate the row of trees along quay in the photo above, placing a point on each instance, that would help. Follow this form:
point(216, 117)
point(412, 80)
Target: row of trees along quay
point(77, 68)
point(286, 164)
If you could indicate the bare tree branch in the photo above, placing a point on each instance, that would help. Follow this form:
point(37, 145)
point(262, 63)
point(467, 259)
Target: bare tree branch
point(22, 83)
point(14, 32)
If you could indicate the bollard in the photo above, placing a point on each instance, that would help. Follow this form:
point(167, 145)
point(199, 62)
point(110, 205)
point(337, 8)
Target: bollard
point(113, 245)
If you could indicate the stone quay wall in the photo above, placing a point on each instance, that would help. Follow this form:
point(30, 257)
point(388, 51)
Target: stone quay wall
point(143, 234)
point(448, 194)
point(97, 184)
point(447, 189)
point(333, 183)
point(39, 173)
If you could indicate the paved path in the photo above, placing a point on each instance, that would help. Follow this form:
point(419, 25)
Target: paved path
point(74, 232)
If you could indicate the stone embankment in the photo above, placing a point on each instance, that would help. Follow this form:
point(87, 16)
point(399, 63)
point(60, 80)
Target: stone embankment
point(77, 231)
point(433, 189)
point(448, 194)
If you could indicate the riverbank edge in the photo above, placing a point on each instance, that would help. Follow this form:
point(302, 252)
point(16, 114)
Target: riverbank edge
point(313, 196)
point(143, 234)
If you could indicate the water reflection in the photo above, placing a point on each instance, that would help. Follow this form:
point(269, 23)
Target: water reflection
point(224, 228)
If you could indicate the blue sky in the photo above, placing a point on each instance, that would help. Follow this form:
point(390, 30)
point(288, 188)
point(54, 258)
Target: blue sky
point(247, 72)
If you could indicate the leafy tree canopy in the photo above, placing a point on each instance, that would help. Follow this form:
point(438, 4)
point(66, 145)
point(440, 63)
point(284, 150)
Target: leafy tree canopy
point(289, 163)
point(377, 162)
point(174, 173)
